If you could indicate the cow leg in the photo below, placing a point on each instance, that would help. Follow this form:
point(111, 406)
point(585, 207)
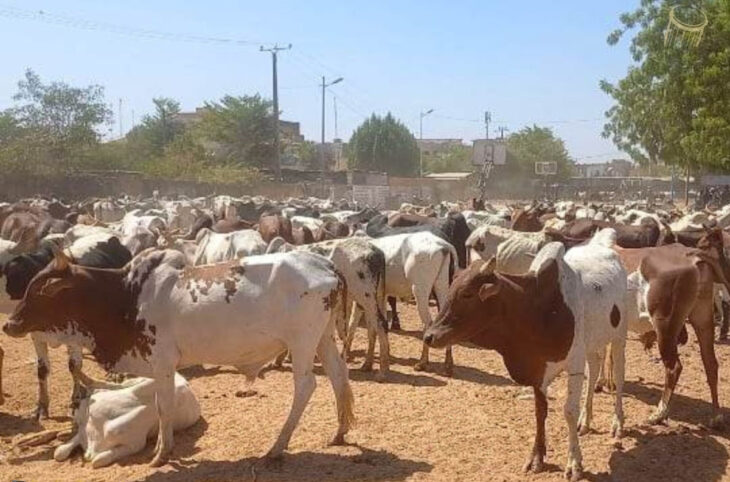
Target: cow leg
point(117, 452)
point(347, 343)
point(75, 362)
point(535, 461)
point(705, 336)
point(425, 315)
point(574, 465)
point(336, 370)
point(2, 397)
point(304, 383)
point(43, 369)
point(367, 365)
point(725, 327)
point(586, 417)
point(441, 295)
point(165, 402)
point(618, 357)
point(395, 321)
point(672, 370)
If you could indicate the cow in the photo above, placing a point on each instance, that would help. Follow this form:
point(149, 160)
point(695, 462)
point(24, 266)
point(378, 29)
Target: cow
point(98, 251)
point(274, 226)
point(114, 423)
point(537, 322)
point(416, 265)
point(152, 318)
point(214, 247)
point(676, 285)
point(648, 233)
point(363, 267)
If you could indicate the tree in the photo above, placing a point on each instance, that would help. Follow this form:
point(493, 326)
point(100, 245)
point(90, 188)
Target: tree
point(159, 129)
point(455, 159)
point(242, 129)
point(537, 144)
point(672, 106)
point(52, 123)
point(383, 144)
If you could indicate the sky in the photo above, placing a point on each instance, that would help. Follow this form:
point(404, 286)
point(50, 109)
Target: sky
point(528, 62)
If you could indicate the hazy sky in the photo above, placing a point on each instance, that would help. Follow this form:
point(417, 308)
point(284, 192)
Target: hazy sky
point(527, 62)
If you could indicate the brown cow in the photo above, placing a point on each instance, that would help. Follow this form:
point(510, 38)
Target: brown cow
point(647, 234)
point(527, 220)
point(676, 286)
point(275, 225)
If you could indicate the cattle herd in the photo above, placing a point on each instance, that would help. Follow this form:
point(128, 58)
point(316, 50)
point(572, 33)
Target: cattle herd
point(148, 286)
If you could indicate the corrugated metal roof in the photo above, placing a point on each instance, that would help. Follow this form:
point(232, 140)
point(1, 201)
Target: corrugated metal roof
point(443, 176)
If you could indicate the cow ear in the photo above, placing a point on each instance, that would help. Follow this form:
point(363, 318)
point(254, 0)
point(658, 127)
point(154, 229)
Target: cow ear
point(61, 262)
point(53, 286)
point(488, 289)
point(489, 266)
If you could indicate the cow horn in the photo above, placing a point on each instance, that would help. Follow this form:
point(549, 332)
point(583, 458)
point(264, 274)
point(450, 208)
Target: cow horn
point(489, 266)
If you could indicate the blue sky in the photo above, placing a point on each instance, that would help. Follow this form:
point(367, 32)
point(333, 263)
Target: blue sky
point(527, 62)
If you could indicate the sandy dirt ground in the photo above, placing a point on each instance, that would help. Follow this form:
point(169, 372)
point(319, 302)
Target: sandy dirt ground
point(419, 426)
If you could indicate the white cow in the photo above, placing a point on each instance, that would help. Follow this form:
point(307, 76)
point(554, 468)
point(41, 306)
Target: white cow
point(151, 319)
point(417, 264)
point(216, 247)
point(514, 250)
point(113, 424)
point(107, 211)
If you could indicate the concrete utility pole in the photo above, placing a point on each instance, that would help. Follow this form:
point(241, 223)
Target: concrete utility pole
point(321, 148)
point(277, 154)
point(487, 120)
point(334, 99)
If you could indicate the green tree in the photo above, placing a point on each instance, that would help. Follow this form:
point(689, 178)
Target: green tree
point(157, 130)
point(536, 144)
point(672, 106)
point(455, 159)
point(383, 144)
point(241, 129)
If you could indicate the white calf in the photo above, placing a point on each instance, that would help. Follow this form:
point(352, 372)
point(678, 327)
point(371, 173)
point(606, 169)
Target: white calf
point(216, 247)
point(113, 424)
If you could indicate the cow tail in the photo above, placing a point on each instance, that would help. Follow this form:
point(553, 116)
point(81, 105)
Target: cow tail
point(380, 298)
point(452, 265)
point(340, 308)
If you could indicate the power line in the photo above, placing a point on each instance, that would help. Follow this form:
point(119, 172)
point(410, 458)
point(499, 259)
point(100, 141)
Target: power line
point(83, 24)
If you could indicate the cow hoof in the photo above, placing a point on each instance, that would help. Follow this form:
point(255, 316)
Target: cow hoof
point(717, 422)
point(575, 473)
point(159, 460)
point(366, 367)
point(338, 440)
point(395, 326)
point(583, 429)
point(534, 464)
point(273, 459)
point(656, 419)
point(41, 413)
point(420, 366)
point(449, 372)
point(617, 431)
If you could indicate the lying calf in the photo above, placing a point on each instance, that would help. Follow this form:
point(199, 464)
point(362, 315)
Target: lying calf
point(116, 423)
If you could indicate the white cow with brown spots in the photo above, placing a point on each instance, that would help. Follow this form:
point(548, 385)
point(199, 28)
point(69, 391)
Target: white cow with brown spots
point(150, 319)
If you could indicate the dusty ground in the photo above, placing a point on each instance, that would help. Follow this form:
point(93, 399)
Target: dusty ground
point(420, 426)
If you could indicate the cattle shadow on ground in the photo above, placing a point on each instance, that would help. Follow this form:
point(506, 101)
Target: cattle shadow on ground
point(301, 466)
point(16, 424)
point(464, 373)
point(666, 456)
point(394, 377)
point(682, 408)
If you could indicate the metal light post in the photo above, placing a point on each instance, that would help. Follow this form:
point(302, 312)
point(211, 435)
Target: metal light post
point(321, 149)
point(420, 146)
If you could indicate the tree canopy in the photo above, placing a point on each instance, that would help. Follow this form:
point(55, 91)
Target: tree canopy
point(536, 144)
point(158, 129)
point(455, 159)
point(673, 104)
point(384, 144)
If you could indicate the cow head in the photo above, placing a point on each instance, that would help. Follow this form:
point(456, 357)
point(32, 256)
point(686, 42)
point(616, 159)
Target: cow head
point(40, 305)
point(472, 303)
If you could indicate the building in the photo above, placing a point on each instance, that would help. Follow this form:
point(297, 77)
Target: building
point(288, 130)
point(614, 168)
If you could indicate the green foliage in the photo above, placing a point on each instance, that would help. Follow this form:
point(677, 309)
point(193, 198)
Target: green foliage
point(673, 106)
point(383, 144)
point(241, 129)
point(456, 159)
point(536, 144)
point(157, 130)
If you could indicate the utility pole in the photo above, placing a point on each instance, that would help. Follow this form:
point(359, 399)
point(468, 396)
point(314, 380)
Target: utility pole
point(321, 147)
point(121, 128)
point(277, 154)
point(501, 130)
point(334, 98)
point(487, 120)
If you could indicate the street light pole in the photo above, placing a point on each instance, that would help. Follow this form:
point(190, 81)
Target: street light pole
point(275, 88)
point(321, 147)
point(420, 137)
